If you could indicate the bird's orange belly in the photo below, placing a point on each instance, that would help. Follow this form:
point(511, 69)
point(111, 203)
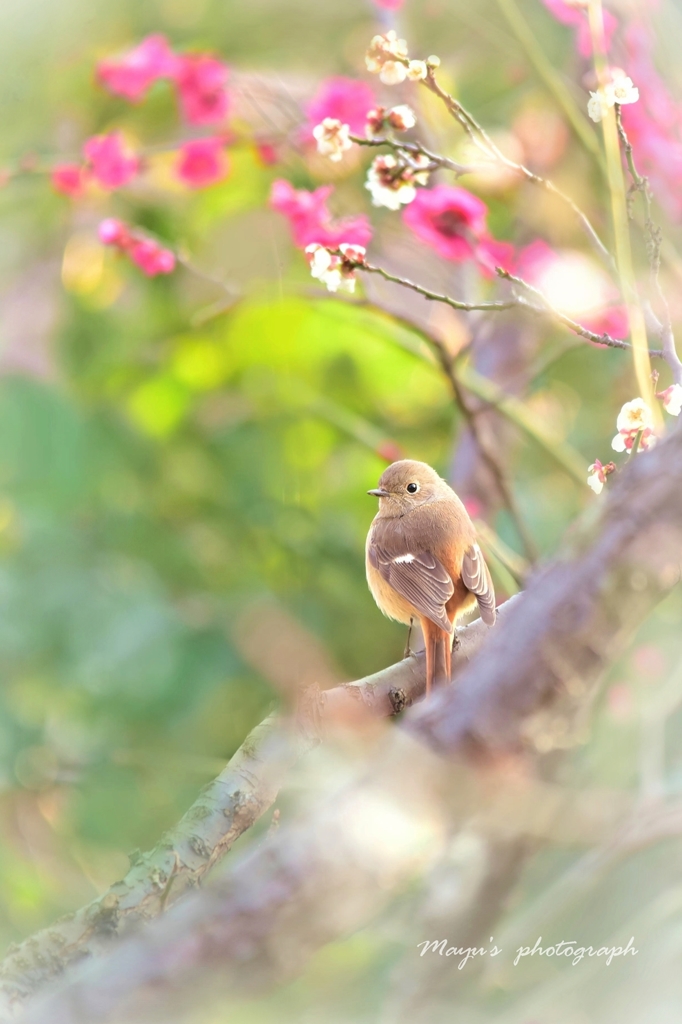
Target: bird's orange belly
point(389, 600)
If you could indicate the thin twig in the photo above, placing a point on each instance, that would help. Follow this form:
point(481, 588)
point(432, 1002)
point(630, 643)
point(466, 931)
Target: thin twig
point(567, 321)
point(483, 141)
point(654, 241)
point(416, 149)
point(538, 57)
point(494, 307)
point(486, 390)
point(231, 291)
point(488, 453)
point(467, 307)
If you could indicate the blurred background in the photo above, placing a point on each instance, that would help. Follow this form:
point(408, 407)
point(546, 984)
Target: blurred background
point(181, 457)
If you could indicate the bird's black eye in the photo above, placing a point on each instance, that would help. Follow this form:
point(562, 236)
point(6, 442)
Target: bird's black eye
point(413, 488)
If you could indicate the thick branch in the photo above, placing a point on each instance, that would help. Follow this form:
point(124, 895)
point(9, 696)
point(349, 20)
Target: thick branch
point(317, 880)
point(226, 808)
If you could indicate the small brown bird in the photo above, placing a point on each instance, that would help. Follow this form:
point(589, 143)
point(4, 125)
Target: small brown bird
point(423, 560)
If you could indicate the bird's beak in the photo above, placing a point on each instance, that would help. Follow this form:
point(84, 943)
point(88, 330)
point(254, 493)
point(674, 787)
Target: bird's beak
point(379, 492)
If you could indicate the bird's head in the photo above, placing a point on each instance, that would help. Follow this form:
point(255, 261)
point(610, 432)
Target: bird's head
point(406, 484)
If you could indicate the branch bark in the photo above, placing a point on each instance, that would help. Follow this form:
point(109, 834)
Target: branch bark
point(226, 808)
point(324, 876)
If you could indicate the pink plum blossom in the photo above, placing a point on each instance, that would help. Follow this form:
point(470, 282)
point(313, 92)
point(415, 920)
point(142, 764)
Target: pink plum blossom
point(649, 662)
point(597, 474)
point(390, 5)
point(267, 153)
point(672, 399)
point(453, 222)
point(620, 702)
point(310, 220)
point(654, 125)
point(148, 254)
point(201, 82)
point(390, 451)
point(114, 232)
point(151, 257)
point(111, 164)
point(69, 180)
point(575, 14)
point(202, 162)
point(343, 99)
point(132, 73)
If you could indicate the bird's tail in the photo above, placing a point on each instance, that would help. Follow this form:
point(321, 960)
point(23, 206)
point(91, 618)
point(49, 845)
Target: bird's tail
point(438, 646)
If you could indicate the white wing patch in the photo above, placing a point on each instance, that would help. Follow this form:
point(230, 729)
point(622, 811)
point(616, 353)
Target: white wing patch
point(404, 558)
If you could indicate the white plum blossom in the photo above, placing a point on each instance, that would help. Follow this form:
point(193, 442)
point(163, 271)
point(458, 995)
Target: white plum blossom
point(392, 182)
point(595, 481)
point(376, 122)
point(598, 106)
point(322, 266)
point(620, 90)
point(393, 73)
point(634, 418)
point(387, 57)
point(672, 399)
point(635, 415)
point(332, 138)
point(385, 47)
point(402, 118)
point(352, 253)
point(335, 271)
point(417, 70)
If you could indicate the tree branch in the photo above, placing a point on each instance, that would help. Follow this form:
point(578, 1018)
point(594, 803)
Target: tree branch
point(322, 877)
point(226, 808)
point(546, 309)
point(417, 149)
point(483, 141)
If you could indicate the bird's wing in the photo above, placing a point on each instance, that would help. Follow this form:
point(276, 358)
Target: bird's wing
point(476, 578)
point(417, 575)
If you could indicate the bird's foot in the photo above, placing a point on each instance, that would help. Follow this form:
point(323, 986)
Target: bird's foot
point(408, 652)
